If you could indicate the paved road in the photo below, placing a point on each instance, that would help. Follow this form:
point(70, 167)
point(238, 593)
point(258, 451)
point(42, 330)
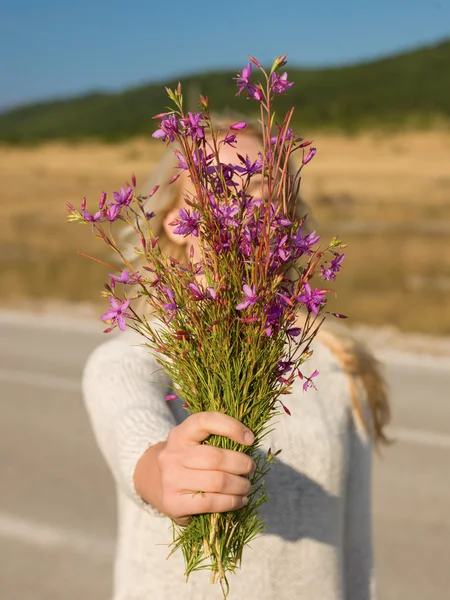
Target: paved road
point(57, 509)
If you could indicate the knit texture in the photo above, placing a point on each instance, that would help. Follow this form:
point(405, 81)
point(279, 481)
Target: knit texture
point(318, 542)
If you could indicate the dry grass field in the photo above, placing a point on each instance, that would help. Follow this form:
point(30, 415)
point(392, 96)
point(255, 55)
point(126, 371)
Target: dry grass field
point(386, 195)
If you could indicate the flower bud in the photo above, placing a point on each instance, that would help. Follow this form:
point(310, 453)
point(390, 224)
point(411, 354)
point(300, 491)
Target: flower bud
point(286, 410)
point(204, 102)
point(254, 61)
point(133, 179)
point(174, 178)
point(282, 60)
point(171, 397)
point(153, 191)
point(278, 62)
point(309, 156)
point(102, 201)
point(83, 203)
point(238, 126)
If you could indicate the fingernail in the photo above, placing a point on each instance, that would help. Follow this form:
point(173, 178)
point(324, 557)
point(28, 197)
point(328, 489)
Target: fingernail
point(245, 500)
point(249, 438)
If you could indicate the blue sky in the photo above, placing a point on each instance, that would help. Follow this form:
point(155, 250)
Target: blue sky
point(52, 48)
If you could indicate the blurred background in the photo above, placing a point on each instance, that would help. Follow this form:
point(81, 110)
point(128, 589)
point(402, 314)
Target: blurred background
point(80, 83)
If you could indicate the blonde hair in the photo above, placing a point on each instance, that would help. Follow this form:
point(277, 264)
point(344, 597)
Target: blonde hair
point(364, 375)
point(356, 360)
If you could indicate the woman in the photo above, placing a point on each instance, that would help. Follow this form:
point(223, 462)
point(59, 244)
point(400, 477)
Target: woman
point(318, 543)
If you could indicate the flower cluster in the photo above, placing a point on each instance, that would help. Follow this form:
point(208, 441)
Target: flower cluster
point(237, 323)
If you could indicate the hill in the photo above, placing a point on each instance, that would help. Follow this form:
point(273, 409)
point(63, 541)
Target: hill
point(412, 88)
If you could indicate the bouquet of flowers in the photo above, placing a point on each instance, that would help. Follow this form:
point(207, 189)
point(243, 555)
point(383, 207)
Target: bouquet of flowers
point(225, 324)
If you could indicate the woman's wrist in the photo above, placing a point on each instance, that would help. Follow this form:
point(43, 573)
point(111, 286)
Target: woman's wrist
point(147, 476)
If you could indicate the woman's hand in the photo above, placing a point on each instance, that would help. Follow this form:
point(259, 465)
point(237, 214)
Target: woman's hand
point(182, 477)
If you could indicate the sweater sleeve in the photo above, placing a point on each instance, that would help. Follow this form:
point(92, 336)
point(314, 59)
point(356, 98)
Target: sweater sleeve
point(123, 389)
point(358, 552)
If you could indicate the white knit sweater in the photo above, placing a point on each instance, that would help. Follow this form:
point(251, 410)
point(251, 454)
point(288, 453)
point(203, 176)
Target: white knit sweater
point(318, 542)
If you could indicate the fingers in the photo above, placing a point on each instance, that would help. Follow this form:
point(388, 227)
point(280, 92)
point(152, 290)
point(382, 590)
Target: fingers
point(209, 458)
point(198, 478)
point(197, 503)
point(217, 482)
point(198, 427)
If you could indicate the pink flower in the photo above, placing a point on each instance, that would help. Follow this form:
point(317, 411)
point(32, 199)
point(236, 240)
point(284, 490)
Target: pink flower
point(308, 383)
point(243, 79)
point(250, 297)
point(117, 313)
point(280, 84)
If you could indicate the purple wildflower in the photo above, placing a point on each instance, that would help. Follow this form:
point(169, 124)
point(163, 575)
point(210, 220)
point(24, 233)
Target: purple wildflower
point(293, 331)
point(287, 136)
point(112, 213)
point(92, 218)
point(187, 223)
point(117, 314)
point(124, 197)
point(282, 249)
point(312, 299)
point(250, 297)
point(182, 164)
point(243, 79)
point(255, 92)
point(167, 128)
point(226, 214)
point(333, 269)
point(273, 315)
point(125, 277)
point(283, 367)
point(304, 243)
point(281, 220)
point(230, 140)
point(280, 84)
point(308, 383)
point(249, 168)
point(172, 305)
point(193, 127)
point(228, 174)
point(199, 158)
point(196, 292)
